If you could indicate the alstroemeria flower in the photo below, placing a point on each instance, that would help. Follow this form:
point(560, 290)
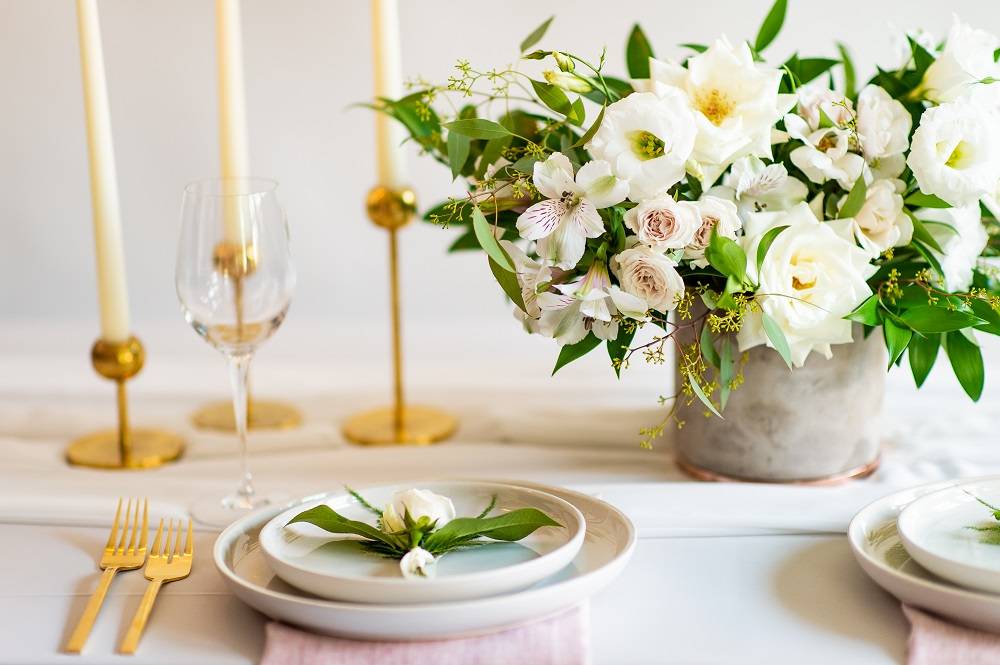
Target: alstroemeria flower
point(825, 155)
point(562, 223)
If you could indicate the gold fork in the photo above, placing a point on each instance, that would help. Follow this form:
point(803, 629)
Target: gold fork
point(119, 554)
point(164, 565)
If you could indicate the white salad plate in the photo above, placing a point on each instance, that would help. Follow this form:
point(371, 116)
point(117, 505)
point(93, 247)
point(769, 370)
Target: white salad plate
point(607, 547)
point(934, 531)
point(878, 548)
point(338, 567)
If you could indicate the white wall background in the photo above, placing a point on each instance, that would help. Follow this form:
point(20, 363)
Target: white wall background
point(307, 61)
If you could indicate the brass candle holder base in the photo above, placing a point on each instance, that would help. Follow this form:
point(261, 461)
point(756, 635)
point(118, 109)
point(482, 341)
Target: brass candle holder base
point(420, 426)
point(265, 415)
point(123, 448)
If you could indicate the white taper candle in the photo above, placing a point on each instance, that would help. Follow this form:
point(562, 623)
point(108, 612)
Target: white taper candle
point(389, 134)
point(233, 145)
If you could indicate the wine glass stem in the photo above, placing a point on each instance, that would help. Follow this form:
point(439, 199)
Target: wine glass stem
point(239, 367)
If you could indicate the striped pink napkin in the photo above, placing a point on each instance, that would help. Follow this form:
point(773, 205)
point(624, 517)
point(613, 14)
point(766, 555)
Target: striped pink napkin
point(934, 641)
point(561, 640)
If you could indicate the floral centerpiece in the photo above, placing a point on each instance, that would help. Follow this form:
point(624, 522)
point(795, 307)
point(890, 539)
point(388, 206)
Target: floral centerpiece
point(725, 203)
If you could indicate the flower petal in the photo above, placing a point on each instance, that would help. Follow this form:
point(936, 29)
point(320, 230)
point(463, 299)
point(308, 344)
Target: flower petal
point(586, 220)
point(631, 306)
point(541, 219)
point(554, 176)
point(599, 185)
point(564, 247)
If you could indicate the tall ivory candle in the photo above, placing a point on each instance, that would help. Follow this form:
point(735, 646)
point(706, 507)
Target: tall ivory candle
point(111, 289)
point(389, 134)
point(234, 152)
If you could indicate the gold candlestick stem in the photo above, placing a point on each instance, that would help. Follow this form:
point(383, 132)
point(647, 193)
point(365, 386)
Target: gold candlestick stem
point(124, 447)
point(401, 423)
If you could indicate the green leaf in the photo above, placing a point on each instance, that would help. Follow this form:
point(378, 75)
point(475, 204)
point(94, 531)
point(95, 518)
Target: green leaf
point(777, 337)
point(508, 282)
point(697, 48)
point(618, 347)
point(928, 256)
point(477, 128)
point(693, 382)
point(484, 234)
point(330, 520)
point(492, 152)
point(571, 352)
point(920, 200)
point(464, 242)
point(637, 54)
point(855, 199)
point(866, 312)
point(458, 152)
point(921, 233)
point(577, 114)
point(850, 81)
point(511, 526)
point(536, 55)
point(589, 134)
point(552, 96)
point(536, 35)
point(810, 68)
point(922, 58)
point(922, 354)
point(727, 370)
point(771, 26)
point(765, 244)
point(708, 352)
point(727, 257)
point(990, 317)
point(896, 339)
point(931, 319)
point(967, 363)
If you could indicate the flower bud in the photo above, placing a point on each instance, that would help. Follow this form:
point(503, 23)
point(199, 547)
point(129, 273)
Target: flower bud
point(565, 63)
point(568, 82)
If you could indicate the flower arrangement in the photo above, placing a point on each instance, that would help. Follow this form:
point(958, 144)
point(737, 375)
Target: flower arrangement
point(418, 526)
point(736, 202)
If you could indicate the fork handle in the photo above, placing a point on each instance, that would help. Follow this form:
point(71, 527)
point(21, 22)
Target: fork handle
point(131, 640)
point(86, 621)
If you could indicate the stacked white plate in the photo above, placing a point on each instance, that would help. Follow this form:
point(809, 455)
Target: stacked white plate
point(917, 545)
point(304, 576)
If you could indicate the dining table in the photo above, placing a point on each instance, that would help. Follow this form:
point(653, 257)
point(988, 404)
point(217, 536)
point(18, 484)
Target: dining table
point(722, 572)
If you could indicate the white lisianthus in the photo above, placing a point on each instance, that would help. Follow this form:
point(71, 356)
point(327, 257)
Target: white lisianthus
point(955, 152)
point(418, 503)
point(815, 97)
point(883, 126)
point(966, 60)
point(418, 563)
point(756, 187)
point(718, 215)
point(664, 223)
point(562, 223)
point(648, 139)
point(881, 222)
point(962, 236)
point(735, 102)
point(825, 154)
point(810, 279)
point(650, 276)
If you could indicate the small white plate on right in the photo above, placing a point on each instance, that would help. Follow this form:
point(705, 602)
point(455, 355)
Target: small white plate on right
point(935, 530)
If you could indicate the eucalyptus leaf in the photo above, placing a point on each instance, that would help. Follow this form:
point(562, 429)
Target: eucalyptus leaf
point(727, 370)
point(693, 382)
point(508, 282)
point(484, 234)
point(536, 35)
point(458, 152)
point(552, 96)
point(777, 337)
point(708, 352)
point(477, 128)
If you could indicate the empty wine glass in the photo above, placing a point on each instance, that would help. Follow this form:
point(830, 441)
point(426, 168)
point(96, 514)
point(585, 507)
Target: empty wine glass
point(234, 279)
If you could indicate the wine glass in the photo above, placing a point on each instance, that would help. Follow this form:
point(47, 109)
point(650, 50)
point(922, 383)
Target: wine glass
point(234, 279)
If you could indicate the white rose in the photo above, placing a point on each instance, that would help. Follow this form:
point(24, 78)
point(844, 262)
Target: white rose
point(967, 58)
point(883, 124)
point(955, 153)
point(716, 214)
point(810, 279)
point(417, 563)
point(647, 139)
point(649, 275)
point(735, 102)
point(962, 236)
point(881, 222)
point(664, 223)
point(825, 154)
point(419, 503)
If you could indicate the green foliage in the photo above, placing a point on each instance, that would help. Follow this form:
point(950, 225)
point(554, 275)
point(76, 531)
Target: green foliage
point(571, 352)
point(536, 35)
point(589, 134)
point(777, 337)
point(458, 152)
point(855, 198)
point(484, 234)
point(477, 128)
point(693, 382)
point(515, 525)
point(923, 351)
point(931, 319)
point(637, 53)
point(896, 339)
point(508, 282)
point(726, 256)
point(618, 347)
point(850, 80)
point(771, 26)
point(330, 520)
point(967, 363)
point(765, 244)
point(866, 313)
point(920, 200)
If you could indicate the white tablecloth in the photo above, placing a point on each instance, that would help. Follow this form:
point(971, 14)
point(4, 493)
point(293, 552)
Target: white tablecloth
point(722, 574)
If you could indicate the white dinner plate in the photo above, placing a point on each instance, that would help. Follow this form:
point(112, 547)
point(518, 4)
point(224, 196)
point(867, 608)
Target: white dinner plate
point(338, 567)
point(607, 547)
point(877, 546)
point(933, 530)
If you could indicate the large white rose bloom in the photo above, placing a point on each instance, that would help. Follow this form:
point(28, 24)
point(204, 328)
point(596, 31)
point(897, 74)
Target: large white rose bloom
point(955, 152)
point(650, 276)
point(962, 243)
point(734, 99)
point(647, 139)
point(966, 59)
point(883, 130)
point(418, 503)
point(810, 279)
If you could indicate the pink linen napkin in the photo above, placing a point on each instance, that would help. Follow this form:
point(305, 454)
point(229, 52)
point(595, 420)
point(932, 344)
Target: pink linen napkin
point(934, 641)
point(561, 640)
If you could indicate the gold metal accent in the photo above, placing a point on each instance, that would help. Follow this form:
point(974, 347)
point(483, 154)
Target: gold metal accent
point(701, 473)
point(123, 448)
point(398, 423)
point(234, 260)
point(166, 563)
point(115, 557)
point(260, 415)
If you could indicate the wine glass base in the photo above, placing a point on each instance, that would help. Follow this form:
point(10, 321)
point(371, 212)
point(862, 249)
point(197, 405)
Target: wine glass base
point(421, 426)
point(261, 415)
point(212, 511)
point(149, 449)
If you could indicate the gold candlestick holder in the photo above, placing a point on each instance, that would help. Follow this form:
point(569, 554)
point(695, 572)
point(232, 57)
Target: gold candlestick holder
point(400, 423)
point(124, 447)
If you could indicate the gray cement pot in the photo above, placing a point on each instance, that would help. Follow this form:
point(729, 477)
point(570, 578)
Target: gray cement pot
point(817, 423)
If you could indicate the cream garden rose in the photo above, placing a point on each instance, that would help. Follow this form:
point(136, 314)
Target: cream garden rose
point(810, 279)
point(418, 503)
point(883, 126)
point(649, 275)
point(716, 215)
point(664, 223)
point(881, 222)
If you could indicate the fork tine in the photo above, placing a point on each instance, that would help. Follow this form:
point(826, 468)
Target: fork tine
point(155, 549)
point(145, 524)
point(177, 541)
point(125, 531)
point(135, 529)
point(167, 546)
point(114, 527)
point(189, 542)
